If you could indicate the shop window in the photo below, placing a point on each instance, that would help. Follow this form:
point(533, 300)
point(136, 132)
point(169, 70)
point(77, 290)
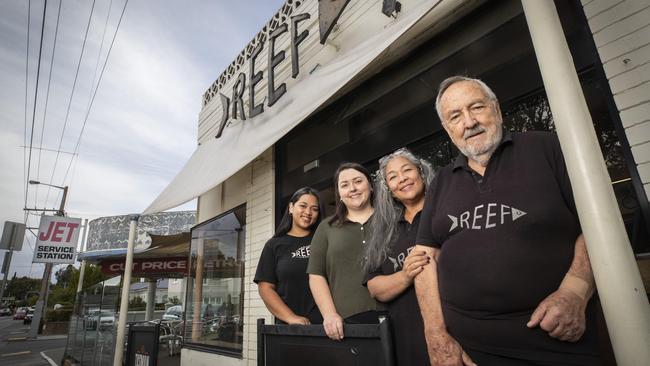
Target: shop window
point(217, 271)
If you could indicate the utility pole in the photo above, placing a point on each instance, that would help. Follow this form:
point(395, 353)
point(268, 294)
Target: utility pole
point(41, 304)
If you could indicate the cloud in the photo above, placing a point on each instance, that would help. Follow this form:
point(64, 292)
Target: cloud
point(143, 124)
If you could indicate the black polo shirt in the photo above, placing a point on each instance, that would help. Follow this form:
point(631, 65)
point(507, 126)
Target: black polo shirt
point(506, 241)
point(404, 311)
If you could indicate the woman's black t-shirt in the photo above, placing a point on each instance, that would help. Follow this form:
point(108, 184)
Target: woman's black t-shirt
point(404, 311)
point(283, 262)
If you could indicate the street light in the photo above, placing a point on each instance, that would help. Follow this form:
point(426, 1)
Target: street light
point(65, 194)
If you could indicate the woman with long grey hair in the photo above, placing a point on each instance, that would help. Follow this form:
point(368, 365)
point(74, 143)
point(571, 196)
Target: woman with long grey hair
point(390, 262)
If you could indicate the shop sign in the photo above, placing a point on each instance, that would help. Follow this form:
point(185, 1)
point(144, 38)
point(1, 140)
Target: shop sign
point(232, 105)
point(57, 240)
point(146, 266)
point(142, 345)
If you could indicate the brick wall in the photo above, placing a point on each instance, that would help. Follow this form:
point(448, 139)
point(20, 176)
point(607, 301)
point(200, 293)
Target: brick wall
point(621, 30)
point(259, 228)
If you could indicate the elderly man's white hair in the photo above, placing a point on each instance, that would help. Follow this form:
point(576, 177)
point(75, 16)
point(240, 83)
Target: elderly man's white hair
point(457, 79)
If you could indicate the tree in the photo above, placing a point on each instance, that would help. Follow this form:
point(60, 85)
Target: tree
point(137, 304)
point(64, 276)
point(20, 287)
point(65, 290)
point(92, 275)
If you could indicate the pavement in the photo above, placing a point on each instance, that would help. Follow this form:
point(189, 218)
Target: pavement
point(17, 349)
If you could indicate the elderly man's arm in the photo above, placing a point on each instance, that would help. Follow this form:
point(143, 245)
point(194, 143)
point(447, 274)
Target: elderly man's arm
point(562, 313)
point(442, 348)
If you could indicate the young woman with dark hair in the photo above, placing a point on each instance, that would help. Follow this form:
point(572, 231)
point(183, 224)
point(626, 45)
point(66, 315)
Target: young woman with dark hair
point(335, 269)
point(280, 276)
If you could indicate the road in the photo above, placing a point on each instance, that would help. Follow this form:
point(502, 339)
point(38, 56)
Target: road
point(25, 352)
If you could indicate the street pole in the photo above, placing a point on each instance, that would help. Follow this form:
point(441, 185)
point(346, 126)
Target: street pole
point(621, 291)
point(77, 299)
point(7, 262)
point(126, 285)
point(41, 304)
point(82, 272)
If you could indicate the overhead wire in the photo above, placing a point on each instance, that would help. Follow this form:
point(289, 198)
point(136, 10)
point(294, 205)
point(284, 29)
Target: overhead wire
point(67, 114)
point(47, 99)
point(29, 16)
point(92, 100)
point(38, 71)
point(92, 85)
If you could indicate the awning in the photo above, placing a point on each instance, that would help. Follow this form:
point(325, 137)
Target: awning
point(175, 245)
point(217, 159)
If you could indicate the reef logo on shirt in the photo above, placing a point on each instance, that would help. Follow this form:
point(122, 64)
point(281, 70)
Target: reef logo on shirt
point(485, 216)
point(301, 253)
point(398, 260)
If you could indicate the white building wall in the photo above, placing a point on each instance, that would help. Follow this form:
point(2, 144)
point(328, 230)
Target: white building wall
point(621, 30)
point(259, 228)
point(254, 185)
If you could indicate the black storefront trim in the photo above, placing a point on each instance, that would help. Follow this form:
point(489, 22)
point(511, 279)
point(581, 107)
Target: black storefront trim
point(214, 350)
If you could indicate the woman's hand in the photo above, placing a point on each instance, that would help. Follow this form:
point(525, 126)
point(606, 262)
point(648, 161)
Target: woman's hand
point(414, 264)
point(300, 320)
point(333, 324)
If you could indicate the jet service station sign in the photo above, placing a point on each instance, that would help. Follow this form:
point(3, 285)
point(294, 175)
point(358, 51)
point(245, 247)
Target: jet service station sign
point(57, 240)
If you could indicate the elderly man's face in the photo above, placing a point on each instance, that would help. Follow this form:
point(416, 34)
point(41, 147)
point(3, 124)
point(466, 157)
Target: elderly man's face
point(472, 120)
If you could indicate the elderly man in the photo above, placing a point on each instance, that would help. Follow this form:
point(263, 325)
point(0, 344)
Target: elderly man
point(510, 282)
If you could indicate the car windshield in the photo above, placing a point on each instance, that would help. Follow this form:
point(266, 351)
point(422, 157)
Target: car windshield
point(174, 310)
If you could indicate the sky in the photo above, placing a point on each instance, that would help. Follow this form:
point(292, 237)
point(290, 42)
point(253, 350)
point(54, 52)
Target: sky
point(142, 125)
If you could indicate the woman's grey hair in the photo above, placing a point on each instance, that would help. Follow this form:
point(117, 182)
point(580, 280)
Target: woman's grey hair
point(388, 210)
point(457, 79)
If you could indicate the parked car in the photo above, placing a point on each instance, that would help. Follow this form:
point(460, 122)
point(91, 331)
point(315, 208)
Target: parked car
point(90, 320)
point(28, 316)
point(5, 311)
point(106, 319)
point(173, 313)
point(20, 314)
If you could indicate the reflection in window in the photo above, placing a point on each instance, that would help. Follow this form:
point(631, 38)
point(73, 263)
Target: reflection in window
point(215, 286)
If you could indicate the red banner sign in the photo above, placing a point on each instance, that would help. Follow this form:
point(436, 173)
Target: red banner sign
point(146, 266)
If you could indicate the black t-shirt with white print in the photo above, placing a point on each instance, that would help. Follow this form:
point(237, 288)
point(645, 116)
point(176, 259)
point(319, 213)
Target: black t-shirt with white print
point(506, 241)
point(283, 262)
point(404, 311)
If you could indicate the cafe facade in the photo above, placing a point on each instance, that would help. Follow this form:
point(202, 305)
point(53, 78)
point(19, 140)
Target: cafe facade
point(331, 81)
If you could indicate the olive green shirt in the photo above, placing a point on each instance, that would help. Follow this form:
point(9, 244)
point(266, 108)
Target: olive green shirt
point(336, 255)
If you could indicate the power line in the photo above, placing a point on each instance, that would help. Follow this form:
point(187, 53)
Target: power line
point(47, 99)
point(74, 85)
point(101, 47)
point(38, 71)
point(29, 15)
point(92, 85)
point(101, 74)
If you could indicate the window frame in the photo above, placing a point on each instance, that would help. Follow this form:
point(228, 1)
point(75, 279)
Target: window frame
point(203, 347)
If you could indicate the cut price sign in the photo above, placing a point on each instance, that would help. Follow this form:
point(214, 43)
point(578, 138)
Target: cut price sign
point(57, 240)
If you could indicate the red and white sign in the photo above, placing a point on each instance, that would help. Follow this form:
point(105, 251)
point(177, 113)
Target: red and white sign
point(146, 266)
point(57, 240)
